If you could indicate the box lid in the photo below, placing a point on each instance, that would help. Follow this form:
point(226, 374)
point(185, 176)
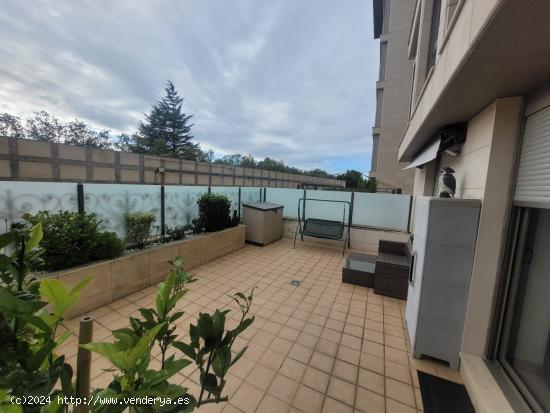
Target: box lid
point(263, 206)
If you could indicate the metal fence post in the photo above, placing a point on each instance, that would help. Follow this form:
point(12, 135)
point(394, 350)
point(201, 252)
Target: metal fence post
point(162, 213)
point(265, 192)
point(80, 197)
point(350, 216)
point(239, 202)
point(304, 211)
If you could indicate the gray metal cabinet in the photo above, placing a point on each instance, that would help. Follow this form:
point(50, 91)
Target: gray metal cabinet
point(445, 232)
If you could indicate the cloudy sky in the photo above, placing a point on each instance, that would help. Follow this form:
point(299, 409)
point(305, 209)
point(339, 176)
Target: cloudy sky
point(289, 79)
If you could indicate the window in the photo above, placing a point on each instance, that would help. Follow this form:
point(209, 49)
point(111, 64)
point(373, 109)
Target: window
point(434, 32)
point(383, 54)
point(524, 338)
point(374, 160)
point(378, 117)
point(386, 18)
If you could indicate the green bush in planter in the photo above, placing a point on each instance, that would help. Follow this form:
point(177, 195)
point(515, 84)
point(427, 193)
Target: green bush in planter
point(139, 225)
point(214, 214)
point(72, 238)
point(109, 245)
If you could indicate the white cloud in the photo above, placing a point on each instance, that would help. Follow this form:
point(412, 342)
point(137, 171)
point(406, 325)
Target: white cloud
point(285, 79)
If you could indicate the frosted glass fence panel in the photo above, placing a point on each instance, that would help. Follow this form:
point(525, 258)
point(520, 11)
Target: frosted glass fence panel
point(111, 201)
point(333, 211)
point(388, 211)
point(17, 198)
point(250, 195)
point(180, 203)
point(286, 197)
point(231, 192)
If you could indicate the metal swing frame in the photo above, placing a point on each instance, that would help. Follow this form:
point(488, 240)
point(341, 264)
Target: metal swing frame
point(323, 228)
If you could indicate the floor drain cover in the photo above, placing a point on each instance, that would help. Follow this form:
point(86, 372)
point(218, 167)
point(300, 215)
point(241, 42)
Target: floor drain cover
point(295, 283)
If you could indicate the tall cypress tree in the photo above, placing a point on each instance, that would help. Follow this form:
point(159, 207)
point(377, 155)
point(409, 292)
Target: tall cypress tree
point(166, 130)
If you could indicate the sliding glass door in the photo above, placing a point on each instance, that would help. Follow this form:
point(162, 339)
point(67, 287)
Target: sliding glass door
point(524, 342)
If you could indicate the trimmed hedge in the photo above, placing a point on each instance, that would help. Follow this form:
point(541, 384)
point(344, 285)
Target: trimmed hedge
point(72, 238)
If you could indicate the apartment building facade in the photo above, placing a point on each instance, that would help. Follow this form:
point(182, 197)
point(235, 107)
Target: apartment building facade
point(481, 105)
point(392, 20)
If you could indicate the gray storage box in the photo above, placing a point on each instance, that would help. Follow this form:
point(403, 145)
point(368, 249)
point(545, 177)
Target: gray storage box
point(264, 222)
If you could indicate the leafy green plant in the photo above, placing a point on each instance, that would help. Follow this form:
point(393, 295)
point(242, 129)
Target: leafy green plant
point(169, 293)
point(210, 349)
point(79, 233)
point(174, 233)
point(29, 365)
point(139, 225)
point(109, 245)
point(214, 212)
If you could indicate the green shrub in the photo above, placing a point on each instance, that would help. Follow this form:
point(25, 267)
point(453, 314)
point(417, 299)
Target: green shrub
point(139, 225)
point(214, 214)
point(71, 238)
point(109, 245)
point(174, 233)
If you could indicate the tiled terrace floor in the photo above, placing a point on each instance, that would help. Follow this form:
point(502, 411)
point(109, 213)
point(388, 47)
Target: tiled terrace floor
point(324, 346)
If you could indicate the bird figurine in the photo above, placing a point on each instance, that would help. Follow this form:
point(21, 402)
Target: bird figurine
point(447, 183)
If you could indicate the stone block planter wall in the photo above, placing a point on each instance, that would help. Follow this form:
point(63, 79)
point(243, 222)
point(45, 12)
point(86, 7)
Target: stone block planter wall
point(114, 279)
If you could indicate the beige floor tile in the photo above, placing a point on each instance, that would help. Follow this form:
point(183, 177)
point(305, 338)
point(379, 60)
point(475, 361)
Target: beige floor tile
point(289, 333)
point(345, 371)
point(348, 355)
point(393, 406)
point(372, 335)
point(327, 347)
point(300, 353)
point(308, 400)
point(316, 379)
point(272, 360)
point(334, 406)
point(331, 335)
point(292, 369)
point(400, 392)
point(280, 345)
point(261, 377)
point(372, 363)
point(322, 362)
point(341, 390)
point(369, 402)
point(398, 372)
point(307, 340)
point(371, 381)
point(247, 398)
point(283, 388)
point(353, 330)
point(351, 342)
point(271, 404)
point(242, 367)
point(395, 355)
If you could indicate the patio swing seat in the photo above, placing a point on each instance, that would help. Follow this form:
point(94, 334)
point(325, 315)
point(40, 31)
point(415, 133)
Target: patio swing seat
point(323, 228)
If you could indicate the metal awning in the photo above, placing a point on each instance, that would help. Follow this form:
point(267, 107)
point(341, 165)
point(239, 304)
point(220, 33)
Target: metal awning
point(427, 155)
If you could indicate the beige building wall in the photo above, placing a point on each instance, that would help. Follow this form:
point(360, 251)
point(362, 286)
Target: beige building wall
point(484, 170)
point(395, 86)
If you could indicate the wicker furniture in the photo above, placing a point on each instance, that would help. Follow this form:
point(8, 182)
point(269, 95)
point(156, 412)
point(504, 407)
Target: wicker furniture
point(359, 270)
point(391, 274)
